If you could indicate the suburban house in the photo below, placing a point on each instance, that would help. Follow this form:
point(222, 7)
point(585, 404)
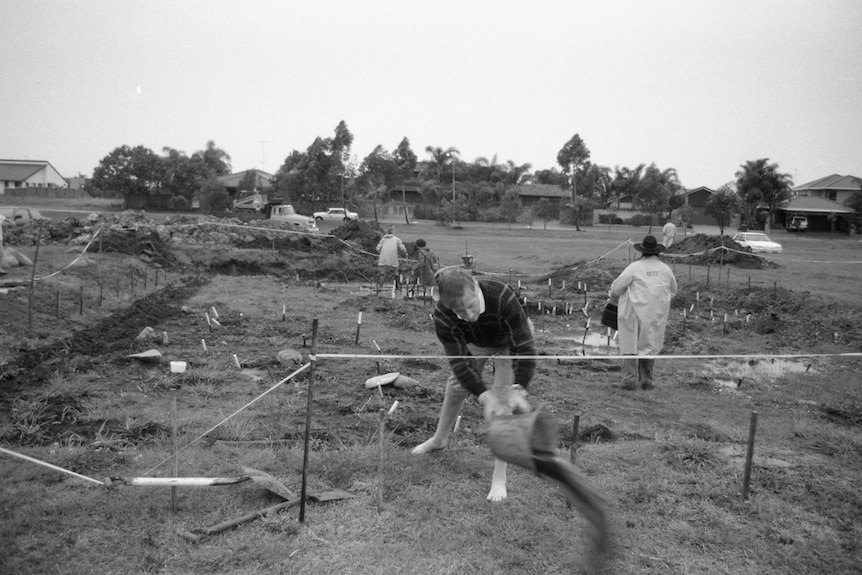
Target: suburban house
point(29, 174)
point(262, 181)
point(835, 188)
point(405, 194)
point(822, 203)
point(530, 194)
point(696, 198)
point(820, 212)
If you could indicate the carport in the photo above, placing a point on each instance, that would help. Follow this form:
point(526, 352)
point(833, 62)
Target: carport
point(821, 214)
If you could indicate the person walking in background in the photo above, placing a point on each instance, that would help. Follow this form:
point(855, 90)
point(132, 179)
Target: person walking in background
point(644, 290)
point(427, 264)
point(668, 233)
point(389, 248)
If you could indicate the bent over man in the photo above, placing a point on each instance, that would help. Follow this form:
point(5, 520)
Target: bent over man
point(475, 320)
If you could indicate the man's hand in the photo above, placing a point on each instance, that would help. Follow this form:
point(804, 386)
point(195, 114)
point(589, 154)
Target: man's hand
point(513, 400)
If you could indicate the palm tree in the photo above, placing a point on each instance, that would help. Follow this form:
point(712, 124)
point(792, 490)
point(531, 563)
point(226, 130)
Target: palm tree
point(215, 159)
point(760, 183)
point(441, 158)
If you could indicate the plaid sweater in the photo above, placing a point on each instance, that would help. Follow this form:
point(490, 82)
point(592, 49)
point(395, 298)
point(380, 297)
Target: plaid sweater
point(504, 323)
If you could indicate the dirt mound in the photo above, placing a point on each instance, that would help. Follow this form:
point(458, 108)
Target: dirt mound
point(143, 243)
point(705, 249)
point(365, 234)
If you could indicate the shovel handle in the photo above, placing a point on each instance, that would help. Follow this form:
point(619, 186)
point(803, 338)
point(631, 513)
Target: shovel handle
point(248, 517)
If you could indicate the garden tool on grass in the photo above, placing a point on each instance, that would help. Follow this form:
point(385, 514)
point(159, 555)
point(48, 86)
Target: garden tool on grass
point(530, 440)
point(318, 496)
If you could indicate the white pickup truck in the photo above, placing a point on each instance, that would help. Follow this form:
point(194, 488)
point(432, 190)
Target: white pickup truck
point(285, 213)
point(335, 214)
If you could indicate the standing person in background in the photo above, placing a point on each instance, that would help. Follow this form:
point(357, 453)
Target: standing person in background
point(644, 290)
point(427, 264)
point(389, 248)
point(668, 233)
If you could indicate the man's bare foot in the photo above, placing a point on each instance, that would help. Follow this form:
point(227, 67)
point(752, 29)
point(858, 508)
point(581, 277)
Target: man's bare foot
point(429, 446)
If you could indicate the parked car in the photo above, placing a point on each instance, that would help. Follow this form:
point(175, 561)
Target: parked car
point(22, 215)
point(757, 242)
point(335, 214)
point(797, 224)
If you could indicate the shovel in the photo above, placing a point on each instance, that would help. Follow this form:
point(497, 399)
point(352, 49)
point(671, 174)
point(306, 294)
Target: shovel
point(319, 496)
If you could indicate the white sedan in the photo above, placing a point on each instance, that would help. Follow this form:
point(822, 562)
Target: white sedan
point(339, 214)
point(757, 242)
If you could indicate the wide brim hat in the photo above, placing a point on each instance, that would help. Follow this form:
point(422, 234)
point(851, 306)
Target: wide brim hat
point(650, 245)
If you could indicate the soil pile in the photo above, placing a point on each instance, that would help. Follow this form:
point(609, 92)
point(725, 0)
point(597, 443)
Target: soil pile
point(702, 249)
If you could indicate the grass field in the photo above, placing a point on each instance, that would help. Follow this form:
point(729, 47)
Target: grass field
point(669, 463)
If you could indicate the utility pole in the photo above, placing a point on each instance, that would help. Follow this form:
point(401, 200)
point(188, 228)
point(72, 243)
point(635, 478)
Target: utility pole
point(263, 144)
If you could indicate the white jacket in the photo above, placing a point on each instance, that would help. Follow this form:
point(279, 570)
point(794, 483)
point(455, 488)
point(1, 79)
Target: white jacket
point(389, 247)
point(645, 289)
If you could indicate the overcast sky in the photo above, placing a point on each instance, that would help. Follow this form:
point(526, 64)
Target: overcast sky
point(699, 86)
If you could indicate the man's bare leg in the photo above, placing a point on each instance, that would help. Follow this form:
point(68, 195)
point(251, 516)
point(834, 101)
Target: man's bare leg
point(453, 403)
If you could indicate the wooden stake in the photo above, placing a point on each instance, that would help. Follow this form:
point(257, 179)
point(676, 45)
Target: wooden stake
point(310, 398)
point(749, 456)
point(382, 418)
point(81, 302)
point(33, 277)
point(358, 326)
point(574, 447)
point(175, 453)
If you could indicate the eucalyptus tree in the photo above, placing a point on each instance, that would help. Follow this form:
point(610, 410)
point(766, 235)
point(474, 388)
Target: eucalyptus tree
point(572, 158)
point(379, 170)
point(722, 205)
point(759, 183)
point(181, 176)
point(314, 176)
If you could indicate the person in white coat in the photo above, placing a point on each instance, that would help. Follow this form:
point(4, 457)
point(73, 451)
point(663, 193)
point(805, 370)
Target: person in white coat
point(644, 290)
point(668, 233)
point(389, 248)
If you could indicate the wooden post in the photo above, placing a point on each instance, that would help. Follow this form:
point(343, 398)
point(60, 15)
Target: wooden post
point(81, 302)
point(58, 304)
point(310, 398)
point(33, 277)
point(175, 453)
point(358, 326)
point(574, 447)
point(101, 287)
point(752, 428)
point(382, 418)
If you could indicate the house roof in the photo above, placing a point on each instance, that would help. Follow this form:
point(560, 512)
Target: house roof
point(19, 170)
point(233, 180)
point(697, 189)
point(542, 191)
point(833, 182)
point(814, 205)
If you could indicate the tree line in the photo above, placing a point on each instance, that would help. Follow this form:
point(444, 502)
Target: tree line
point(451, 188)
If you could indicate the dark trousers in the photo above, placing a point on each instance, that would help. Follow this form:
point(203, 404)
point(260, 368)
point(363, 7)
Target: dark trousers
point(637, 371)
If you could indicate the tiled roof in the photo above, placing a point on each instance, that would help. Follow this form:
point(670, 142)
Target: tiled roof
point(833, 182)
point(697, 189)
point(542, 190)
point(812, 204)
point(12, 171)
